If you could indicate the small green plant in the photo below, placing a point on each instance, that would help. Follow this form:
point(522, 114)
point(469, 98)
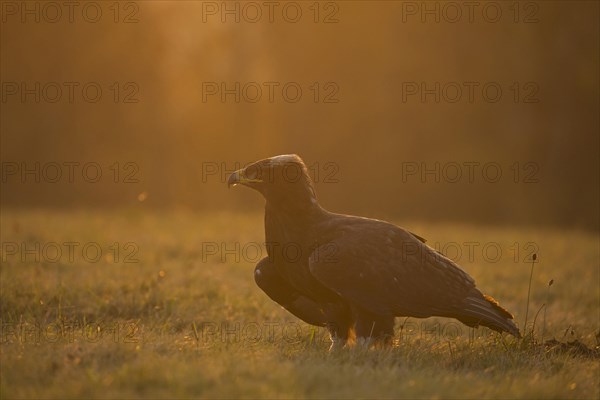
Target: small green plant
point(533, 260)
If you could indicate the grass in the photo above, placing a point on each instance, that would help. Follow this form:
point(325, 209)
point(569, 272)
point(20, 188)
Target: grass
point(179, 323)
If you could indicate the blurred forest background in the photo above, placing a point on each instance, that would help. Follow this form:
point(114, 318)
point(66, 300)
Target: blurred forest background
point(171, 53)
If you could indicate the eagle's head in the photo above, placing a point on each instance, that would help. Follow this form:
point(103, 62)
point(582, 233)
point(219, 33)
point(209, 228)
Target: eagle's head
point(280, 179)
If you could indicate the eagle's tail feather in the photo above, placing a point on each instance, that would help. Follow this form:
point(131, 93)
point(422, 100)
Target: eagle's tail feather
point(484, 310)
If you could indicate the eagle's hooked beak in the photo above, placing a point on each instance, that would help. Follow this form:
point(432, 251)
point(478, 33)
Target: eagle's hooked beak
point(234, 178)
point(238, 177)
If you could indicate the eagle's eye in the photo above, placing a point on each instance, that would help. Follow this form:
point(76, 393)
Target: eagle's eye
point(252, 172)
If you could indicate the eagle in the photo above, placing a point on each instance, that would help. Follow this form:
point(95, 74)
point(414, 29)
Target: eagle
point(354, 275)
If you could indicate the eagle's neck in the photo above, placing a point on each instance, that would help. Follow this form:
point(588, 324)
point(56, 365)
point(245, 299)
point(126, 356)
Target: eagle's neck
point(292, 221)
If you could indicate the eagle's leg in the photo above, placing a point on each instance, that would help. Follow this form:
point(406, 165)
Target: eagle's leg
point(373, 329)
point(341, 330)
point(280, 291)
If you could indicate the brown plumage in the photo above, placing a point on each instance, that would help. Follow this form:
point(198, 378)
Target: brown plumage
point(352, 274)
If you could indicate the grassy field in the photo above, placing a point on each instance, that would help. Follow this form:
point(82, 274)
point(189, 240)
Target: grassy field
point(145, 304)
